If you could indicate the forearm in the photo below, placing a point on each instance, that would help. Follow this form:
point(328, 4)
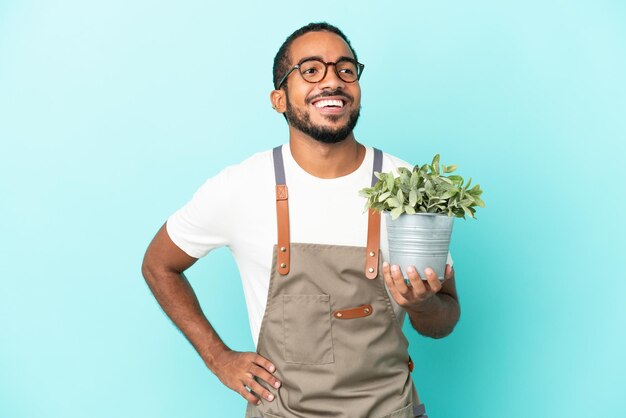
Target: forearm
point(438, 318)
point(178, 300)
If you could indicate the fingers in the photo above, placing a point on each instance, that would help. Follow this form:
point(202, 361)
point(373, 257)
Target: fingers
point(432, 279)
point(418, 294)
point(244, 373)
point(394, 284)
point(421, 287)
point(263, 374)
point(263, 362)
point(449, 274)
point(416, 281)
point(399, 282)
point(258, 390)
point(417, 287)
point(249, 396)
point(262, 368)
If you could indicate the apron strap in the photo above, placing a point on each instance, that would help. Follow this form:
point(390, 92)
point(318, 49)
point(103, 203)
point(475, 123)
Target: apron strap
point(373, 226)
point(282, 211)
point(282, 217)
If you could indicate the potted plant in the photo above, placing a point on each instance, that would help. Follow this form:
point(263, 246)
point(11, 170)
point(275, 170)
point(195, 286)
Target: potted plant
point(420, 206)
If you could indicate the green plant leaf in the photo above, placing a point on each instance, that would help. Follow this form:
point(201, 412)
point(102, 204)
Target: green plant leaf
point(404, 170)
point(384, 196)
point(425, 188)
point(389, 182)
point(393, 202)
point(458, 180)
point(467, 211)
point(448, 194)
point(468, 199)
point(405, 175)
point(428, 186)
point(396, 213)
point(449, 168)
point(412, 198)
point(400, 196)
point(435, 163)
point(475, 190)
point(414, 179)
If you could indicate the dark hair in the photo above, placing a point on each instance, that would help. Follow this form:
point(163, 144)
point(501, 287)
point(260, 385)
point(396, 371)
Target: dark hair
point(281, 60)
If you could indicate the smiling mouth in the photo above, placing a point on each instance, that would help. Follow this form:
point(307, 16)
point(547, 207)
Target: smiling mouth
point(329, 104)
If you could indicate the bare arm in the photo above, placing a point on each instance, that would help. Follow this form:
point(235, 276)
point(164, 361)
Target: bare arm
point(163, 267)
point(432, 306)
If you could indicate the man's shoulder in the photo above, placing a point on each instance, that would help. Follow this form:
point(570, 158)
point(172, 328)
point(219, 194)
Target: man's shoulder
point(249, 174)
point(259, 160)
point(255, 165)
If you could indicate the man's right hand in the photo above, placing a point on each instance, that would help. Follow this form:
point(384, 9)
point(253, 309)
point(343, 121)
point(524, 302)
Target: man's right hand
point(163, 267)
point(237, 370)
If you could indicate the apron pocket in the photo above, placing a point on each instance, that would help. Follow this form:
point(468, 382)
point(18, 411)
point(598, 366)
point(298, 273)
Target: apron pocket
point(306, 326)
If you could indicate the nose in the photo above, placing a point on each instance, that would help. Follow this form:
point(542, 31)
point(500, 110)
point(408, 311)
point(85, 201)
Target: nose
point(331, 80)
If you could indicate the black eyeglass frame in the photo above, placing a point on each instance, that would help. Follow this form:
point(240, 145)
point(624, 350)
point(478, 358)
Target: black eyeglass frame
point(359, 70)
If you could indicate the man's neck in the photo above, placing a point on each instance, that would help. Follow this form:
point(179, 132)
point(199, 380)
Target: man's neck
point(326, 161)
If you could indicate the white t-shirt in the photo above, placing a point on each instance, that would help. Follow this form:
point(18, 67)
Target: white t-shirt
point(237, 208)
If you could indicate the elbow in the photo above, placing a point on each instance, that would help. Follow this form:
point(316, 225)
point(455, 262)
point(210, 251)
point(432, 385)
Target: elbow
point(147, 269)
point(448, 330)
point(442, 333)
point(443, 328)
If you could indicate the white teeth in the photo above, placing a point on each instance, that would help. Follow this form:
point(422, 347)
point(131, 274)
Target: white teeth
point(324, 103)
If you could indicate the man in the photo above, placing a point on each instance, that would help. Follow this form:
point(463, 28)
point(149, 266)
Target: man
point(328, 335)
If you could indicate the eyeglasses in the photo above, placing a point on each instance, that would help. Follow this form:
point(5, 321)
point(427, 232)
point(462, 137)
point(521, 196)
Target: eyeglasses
point(314, 70)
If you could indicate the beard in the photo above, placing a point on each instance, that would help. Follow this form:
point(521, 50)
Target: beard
point(301, 120)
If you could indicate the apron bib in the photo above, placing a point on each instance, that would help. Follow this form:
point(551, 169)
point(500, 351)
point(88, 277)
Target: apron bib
point(330, 329)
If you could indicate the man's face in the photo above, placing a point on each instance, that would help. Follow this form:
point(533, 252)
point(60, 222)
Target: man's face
point(327, 110)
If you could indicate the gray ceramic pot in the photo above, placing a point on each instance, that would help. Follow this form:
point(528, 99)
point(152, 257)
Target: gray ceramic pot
point(421, 240)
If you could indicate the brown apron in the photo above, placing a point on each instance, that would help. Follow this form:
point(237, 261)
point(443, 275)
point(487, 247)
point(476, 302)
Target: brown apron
point(330, 330)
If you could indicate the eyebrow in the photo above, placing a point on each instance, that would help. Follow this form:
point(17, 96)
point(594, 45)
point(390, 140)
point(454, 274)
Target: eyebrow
point(317, 57)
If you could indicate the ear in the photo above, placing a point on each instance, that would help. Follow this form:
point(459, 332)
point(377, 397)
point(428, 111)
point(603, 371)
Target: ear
point(278, 100)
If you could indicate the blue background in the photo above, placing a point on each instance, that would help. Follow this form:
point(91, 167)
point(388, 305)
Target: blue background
point(113, 113)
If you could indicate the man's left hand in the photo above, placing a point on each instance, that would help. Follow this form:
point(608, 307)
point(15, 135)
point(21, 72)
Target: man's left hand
point(418, 294)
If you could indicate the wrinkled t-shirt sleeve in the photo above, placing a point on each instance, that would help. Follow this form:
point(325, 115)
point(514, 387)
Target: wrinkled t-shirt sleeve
point(202, 224)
